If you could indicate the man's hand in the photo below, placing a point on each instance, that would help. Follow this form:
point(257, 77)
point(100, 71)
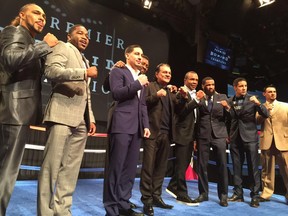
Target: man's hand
point(92, 130)
point(161, 93)
point(200, 94)
point(119, 64)
point(254, 100)
point(143, 79)
point(50, 39)
point(225, 104)
point(183, 91)
point(172, 88)
point(92, 72)
point(147, 133)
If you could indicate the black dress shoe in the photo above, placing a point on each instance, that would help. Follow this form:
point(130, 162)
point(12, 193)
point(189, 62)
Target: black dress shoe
point(201, 198)
point(132, 205)
point(223, 203)
point(148, 210)
point(158, 202)
point(129, 212)
point(261, 199)
point(236, 198)
point(254, 202)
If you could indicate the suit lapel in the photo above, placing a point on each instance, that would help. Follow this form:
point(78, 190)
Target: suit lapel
point(78, 54)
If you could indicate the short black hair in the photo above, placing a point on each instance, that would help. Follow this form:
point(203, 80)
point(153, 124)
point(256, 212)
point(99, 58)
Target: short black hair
point(237, 80)
point(130, 48)
point(205, 79)
point(268, 86)
point(74, 27)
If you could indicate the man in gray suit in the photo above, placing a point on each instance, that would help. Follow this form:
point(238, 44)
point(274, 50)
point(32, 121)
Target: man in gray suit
point(69, 118)
point(20, 90)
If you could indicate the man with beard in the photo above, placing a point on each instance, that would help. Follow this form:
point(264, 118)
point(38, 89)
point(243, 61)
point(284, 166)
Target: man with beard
point(212, 132)
point(21, 65)
point(69, 118)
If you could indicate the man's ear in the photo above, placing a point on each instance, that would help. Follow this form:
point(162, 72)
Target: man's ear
point(68, 37)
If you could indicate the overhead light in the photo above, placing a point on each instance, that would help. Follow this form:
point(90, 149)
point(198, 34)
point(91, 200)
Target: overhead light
point(147, 4)
point(265, 2)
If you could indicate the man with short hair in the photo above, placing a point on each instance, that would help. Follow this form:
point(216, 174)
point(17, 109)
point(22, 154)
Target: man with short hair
point(69, 119)
point(185, 120)
point(127, 124)
point(244, 140)
point(212, 133)
point(21, 66)
point(273, 143)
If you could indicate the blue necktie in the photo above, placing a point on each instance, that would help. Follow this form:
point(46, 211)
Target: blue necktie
point(210, 103)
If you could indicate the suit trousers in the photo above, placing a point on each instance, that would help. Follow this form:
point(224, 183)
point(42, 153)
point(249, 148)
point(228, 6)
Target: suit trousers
point(238, 150)
point(268, 159)
point(120, 171)
point(154, 166)
point(12, 145)
point(219, 149)
point(183, 154)
point(60, 168)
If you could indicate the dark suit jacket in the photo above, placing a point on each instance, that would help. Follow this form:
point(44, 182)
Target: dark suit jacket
point(154, 106)
point(20, 76)
point(213, 122)
point(129, 112)
point(244, 120)
point(185, 122)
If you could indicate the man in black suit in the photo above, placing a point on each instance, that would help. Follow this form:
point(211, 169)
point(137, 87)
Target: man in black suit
point(184, 140)
point(244, 140)
point(160, 104)
point(20, 90)
point(212, 132)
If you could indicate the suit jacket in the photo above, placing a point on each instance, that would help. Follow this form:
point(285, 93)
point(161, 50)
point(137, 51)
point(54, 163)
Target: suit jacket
point(276, 126)
point(185, 122)
point(70, 99)
point(244, 120)
point(20, 76)
point(213, 122)
point(155, 107)
point(128, 113)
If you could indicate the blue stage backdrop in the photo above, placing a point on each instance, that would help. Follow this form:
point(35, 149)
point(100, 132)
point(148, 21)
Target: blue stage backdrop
point(110, 33)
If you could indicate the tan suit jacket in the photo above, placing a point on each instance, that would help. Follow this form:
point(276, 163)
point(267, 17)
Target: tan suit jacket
point(70, 97)
point(276, 125)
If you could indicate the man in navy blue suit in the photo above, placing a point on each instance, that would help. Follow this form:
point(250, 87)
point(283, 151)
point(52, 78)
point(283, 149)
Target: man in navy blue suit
point(128, 123)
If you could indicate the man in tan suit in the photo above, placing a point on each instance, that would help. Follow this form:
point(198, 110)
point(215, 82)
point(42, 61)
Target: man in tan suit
point(273, 143)
point(69, 118)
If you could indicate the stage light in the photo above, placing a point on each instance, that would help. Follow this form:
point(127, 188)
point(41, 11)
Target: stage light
point(147, 4)
point(265, 2)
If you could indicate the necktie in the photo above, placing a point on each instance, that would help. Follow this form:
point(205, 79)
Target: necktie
point(210, 103)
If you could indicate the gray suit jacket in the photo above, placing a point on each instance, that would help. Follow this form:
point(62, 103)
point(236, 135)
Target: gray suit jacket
point(70, 98)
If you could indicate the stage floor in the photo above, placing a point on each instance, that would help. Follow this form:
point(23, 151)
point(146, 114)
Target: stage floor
point(87, 201)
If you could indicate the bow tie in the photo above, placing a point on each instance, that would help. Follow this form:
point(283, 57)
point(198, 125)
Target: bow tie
point(193, 91)
point(239, 98)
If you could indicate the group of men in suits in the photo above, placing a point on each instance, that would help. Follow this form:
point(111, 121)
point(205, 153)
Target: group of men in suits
point(68, 115)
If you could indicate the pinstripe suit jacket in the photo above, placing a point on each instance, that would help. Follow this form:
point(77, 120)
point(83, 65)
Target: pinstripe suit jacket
point(70, 97)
